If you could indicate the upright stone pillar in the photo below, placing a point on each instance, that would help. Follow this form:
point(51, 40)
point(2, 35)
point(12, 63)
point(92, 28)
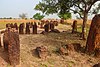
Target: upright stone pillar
point(52, 26)
point(12, 45)
point(46, 27)
point(27, 28)
point(16, 26)
point(74, 27)
point(21, 28)
point(35, 28)
point(93, 39)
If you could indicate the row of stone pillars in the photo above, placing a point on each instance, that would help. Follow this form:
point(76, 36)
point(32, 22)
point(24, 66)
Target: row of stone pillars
point(27, 29)
point(47, 27)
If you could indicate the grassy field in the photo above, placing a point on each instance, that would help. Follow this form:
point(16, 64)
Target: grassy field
point(3, 24)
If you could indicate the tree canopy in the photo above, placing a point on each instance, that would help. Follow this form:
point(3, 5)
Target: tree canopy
point(81, 7)
point(64, 16)
point(38, 16)
point(66, 6)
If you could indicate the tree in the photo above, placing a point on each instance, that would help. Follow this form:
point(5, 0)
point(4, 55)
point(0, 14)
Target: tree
point(64, 16)
point(80, 7)
point(38, 16)
point(23, 16)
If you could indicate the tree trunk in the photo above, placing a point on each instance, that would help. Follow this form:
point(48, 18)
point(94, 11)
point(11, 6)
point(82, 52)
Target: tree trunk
point(84, 24)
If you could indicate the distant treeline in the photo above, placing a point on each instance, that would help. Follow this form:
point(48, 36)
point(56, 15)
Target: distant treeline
point(13, 18)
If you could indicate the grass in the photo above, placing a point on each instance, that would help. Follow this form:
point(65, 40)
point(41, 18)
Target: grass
point(79, 29)
point(3, 24)
point(53, 41)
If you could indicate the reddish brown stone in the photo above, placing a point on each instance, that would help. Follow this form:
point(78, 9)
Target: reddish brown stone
point(12, 46)
point(43, 32)
point(77, 46)
point(70, 47)
point(52, 26)
point(21, 28)
point(7, 25)
point(35, 28)
point(96, 65)
point(47, 27)
point(11, 25)
point(27, 30)
point(93, 40)
point(62, 21)
point(74, 27)
point(55, 31)
point(42, 52)
point(55, 23)
point(16, 26)
point(63, 51)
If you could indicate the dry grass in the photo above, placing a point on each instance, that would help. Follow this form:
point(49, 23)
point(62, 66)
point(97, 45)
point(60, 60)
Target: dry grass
point(53, 41)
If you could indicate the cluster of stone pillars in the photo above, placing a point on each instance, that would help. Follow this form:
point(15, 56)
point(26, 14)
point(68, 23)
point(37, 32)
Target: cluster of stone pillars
point(12, 44)
point(27, 28)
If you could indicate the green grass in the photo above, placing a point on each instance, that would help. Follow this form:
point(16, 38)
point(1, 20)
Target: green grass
point(79, 29)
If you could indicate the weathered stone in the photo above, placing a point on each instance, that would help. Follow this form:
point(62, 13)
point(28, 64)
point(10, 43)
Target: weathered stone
point(7, 25)
point(35, 28)
point(52, 26)
point(16, 26)
point(55, 23)
point(63, 51)
point(27, 30)
point(11, 25)
point(96, 65)
point(62, 21)
point(42, 52)
point(73, 47)
point(55, 31)
point(43, 32)
point(70, 47)
point(39, 23)
point(47, 27)
point(12, 46)
point(93, 39)
point(77, 46)
point(74, 27)
point(21, 28)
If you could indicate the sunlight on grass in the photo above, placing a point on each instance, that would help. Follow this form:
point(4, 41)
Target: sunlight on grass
point(3, 24)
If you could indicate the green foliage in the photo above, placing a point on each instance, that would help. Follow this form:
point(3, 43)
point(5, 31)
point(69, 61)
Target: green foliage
point(81, 7)
point(53, 6)
point(65, 16)
point(65, 6)
point(96, 9)
point(38, 16)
